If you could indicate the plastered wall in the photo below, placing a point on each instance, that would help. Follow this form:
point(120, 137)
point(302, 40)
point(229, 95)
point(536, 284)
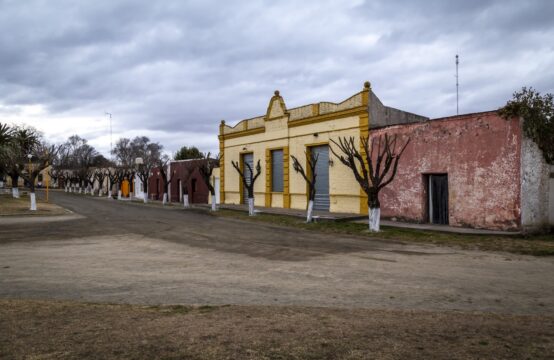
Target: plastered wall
point(344, 190)
point(481, 155)
point(536, 189)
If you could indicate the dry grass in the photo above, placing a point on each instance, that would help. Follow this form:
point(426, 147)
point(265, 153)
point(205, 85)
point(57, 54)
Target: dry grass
point(69, 330)
point(538, 245)
point(20, 207)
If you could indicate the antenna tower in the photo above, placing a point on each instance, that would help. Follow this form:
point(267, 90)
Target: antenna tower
point(111, 146)
point(457, 85)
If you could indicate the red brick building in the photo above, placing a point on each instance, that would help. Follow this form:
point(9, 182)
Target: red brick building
point(186, 179)
point(474, 170)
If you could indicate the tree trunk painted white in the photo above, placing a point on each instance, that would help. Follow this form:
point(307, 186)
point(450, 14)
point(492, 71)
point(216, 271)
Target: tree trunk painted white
point(251, 207)
point(33, 202)
point(186, 204)
point(310, 211)
point(164, 199)
point(145, 197)
point(15, 192)
point(118, 194)
point(374, 219)
point(214, 208)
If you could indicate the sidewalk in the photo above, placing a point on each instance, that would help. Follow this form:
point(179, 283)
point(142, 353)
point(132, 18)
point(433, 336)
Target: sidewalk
point(362, 219)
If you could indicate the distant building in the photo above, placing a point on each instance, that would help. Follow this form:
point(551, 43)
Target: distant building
point(186, 180)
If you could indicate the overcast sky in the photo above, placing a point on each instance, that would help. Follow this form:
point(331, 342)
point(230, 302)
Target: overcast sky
point(171, 70)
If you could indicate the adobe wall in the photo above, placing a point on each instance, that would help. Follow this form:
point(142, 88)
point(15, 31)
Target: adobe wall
point(481, 155)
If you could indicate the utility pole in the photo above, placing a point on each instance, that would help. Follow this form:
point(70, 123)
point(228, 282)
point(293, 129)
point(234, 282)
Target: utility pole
point(111, 146)
point(457, 85)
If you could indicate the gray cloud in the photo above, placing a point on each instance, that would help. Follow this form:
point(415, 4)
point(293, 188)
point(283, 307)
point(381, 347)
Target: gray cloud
point(174, 70)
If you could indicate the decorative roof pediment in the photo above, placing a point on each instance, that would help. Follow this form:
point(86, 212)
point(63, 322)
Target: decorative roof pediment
point(276, 107)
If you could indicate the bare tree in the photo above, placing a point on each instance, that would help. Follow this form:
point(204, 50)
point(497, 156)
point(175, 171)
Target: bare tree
point(78, 157)
point(40, 157)
point(123, 152)
point(206, 169)
point(167, 177)
point(100, 176)
point(89, 181)
point(189, 167)
point(112, 180)
point(374, 169)
point(309, 178)
point(248, 182)
point(147, 153)
point(54, 174)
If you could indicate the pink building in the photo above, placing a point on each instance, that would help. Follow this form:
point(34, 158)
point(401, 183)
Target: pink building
point(474, 170)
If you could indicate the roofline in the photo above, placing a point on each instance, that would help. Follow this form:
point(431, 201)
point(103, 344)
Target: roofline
point(465, 115)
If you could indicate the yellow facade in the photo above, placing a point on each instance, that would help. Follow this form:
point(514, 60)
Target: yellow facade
point(43, 179)
point(295, 131)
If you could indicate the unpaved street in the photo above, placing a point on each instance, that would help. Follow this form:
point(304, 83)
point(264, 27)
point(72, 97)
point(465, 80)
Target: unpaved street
point(129, 253)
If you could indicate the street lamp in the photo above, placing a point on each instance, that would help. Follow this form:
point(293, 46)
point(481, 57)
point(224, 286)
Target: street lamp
point(31, 186)
point(30, 156)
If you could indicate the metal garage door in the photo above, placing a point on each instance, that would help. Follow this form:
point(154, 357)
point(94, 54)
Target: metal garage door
point(247, 159)
point(321, 201)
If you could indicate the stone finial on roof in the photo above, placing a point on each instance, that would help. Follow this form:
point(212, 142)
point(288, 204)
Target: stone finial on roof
point(367, 85)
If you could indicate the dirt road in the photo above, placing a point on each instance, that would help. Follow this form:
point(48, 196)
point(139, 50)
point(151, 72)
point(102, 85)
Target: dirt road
point(130, 253)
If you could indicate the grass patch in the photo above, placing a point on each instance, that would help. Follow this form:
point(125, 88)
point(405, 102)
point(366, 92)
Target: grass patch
point(10, 206)
point(73, 330)
point(537, 245)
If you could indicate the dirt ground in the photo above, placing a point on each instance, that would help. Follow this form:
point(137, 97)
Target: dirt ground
point(10, 206)
point(293, 293)
point(69, 330)
point(131, 254)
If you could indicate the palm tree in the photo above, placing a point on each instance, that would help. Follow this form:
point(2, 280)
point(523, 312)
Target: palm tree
point(5, 139)
point(23, 142)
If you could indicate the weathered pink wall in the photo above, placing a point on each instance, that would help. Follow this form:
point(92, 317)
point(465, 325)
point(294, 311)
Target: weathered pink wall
point(481, 155)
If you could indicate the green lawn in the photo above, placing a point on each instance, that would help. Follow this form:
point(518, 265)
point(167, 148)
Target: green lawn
point(538, 245)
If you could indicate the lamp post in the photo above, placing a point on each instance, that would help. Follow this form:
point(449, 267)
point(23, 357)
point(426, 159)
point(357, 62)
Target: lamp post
point(30, 156)
point(47, 178)
point(31, 185)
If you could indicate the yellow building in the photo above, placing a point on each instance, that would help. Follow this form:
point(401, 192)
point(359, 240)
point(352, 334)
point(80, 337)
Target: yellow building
point(272, 138)
point(41, 180)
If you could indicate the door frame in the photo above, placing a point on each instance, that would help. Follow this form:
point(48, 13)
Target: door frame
point(427, 178)
point(309, 170)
